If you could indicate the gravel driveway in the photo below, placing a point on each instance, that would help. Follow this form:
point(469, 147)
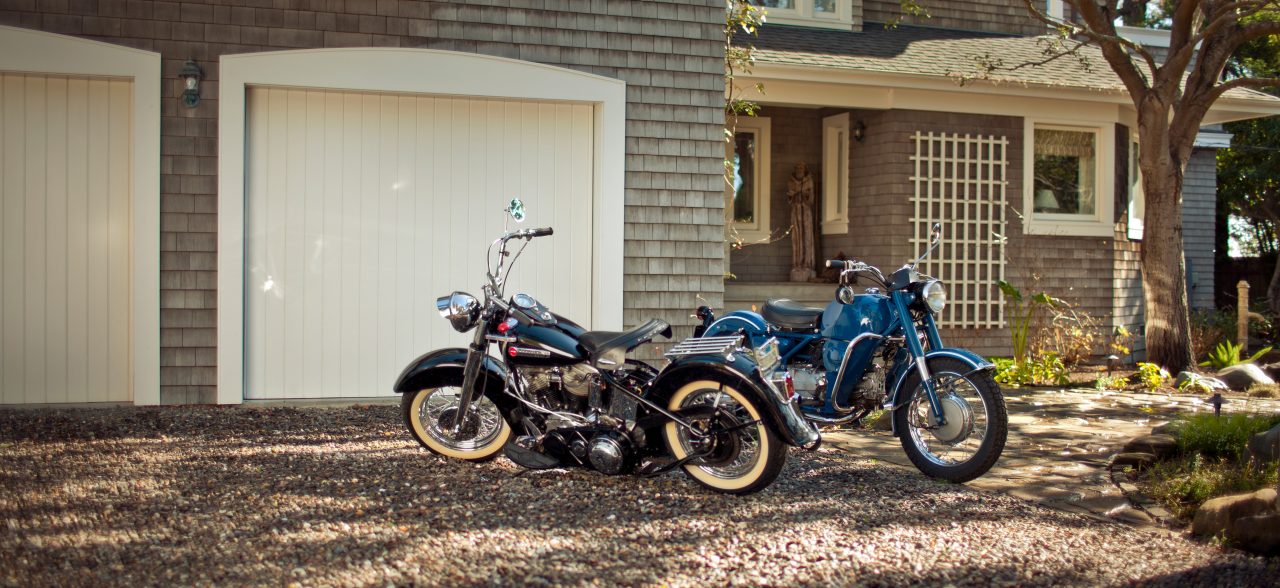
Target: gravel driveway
point(342, 496)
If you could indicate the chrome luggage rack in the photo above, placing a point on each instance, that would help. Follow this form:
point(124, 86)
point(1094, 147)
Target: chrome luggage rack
point(705, 346)
point(766, 356)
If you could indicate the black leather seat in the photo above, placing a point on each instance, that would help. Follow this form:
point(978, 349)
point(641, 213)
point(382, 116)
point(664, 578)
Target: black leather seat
point(608, 349)
point(789, 314)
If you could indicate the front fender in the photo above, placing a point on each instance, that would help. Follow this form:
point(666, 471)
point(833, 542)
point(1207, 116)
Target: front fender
point(780, 412)
point(975, 362)
point(739, 320)
point(430, 368)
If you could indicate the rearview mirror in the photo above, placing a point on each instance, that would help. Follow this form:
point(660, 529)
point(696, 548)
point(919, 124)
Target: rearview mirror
point(516, 210)
point(936, 235)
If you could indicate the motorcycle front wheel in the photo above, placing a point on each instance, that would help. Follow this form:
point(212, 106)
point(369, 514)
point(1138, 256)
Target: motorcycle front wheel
point(976, 426)
point(738, 453)
point(429, 414)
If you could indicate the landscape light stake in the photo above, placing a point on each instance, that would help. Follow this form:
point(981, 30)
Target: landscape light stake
point(1217, 401)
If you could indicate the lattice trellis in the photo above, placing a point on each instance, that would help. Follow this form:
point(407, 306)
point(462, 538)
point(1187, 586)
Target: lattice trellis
point(960, 182)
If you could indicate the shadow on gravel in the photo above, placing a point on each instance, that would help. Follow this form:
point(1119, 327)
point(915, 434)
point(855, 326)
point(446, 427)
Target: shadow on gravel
point(343, 496)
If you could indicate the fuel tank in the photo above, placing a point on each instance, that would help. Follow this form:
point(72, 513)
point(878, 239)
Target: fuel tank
point(868, 313)
point(543, 344)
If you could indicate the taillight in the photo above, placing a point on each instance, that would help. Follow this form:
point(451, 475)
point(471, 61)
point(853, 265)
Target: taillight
point(791, 385)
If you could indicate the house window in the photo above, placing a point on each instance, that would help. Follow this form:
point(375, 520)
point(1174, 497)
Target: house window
point(835, 14)
point(835, 174)
point(1066, 172)
point(1064, 193)
point(1137, 200)
point(747, 206)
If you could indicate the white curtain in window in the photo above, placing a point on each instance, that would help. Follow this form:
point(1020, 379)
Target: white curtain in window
point(1064, 143)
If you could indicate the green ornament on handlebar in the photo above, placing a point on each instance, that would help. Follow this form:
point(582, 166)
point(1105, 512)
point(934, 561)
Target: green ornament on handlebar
point(516, 210)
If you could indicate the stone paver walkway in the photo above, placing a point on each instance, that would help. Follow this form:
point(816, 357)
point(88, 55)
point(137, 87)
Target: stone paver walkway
point(1060, 442)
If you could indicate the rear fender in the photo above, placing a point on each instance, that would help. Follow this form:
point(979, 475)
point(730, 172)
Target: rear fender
point(737, 321)
point(779, 412)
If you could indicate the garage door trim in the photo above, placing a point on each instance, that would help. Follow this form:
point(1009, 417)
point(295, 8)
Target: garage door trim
point(27, 51)
point(417, 71)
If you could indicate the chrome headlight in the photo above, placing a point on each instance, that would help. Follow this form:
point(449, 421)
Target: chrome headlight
point(461, 309)
point(934, 296)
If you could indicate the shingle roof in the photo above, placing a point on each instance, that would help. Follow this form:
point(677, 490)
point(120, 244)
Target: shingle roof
point(924, 51)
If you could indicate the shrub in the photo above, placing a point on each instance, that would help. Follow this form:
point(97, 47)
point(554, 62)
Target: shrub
point(1195, 383)
point(1151, 376)
point(1022, 310)
point(1208, 327)
point(1110, 383)
point(1047, 369)
point(1072, 334)
point(1183, 484)
point(1222, 436)
point(1121, 341)
point(1227, 354)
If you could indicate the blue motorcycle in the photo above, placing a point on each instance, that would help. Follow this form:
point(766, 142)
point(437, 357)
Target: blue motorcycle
point(879, 349)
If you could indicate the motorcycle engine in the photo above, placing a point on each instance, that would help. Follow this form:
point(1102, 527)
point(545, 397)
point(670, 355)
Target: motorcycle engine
point(810, 382)
point(870, 391)
point(562, 389)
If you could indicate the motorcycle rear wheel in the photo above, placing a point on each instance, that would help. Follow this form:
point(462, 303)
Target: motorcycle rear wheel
point(977, 424)
point(740, 462)
point(428, 412)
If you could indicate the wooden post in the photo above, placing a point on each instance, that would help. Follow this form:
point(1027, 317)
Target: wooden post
point(1242, 316)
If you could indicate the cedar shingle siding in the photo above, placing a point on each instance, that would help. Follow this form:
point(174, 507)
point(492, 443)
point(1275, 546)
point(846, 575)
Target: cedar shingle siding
point(1003, 16)
point(670, 54)
point(1102, 275)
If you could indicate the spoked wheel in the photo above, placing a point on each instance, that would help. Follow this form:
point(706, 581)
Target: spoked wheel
point(976, 425)
point(736, 452)
point(429, 415)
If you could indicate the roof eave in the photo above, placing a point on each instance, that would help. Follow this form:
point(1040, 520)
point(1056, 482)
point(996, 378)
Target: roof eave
point(1224, 110)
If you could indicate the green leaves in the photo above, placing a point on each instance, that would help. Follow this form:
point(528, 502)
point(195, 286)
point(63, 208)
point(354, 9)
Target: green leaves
point(1227, 354)
point(1022, 310)
point(1010, 291)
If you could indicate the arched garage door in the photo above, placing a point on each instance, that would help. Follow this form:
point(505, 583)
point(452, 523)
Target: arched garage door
point(363, 207)
point(79, 220)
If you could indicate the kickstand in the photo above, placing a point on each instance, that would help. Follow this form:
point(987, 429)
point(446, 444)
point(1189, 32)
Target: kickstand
point(653, 469)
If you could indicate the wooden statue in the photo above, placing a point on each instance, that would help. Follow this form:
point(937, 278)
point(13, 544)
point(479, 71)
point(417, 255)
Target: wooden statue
point(800, 196)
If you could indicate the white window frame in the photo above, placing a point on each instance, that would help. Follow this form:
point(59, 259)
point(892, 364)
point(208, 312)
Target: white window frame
point(805, 14)
point(835, 174)
point(1054, 9)
point(1137, 198)
point(760, 228)
point(1102, 222)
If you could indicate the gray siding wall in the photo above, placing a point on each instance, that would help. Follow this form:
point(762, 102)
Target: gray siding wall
point(1085, 271)
point(1002, 16)
point(669, 53)
point(1199, 203)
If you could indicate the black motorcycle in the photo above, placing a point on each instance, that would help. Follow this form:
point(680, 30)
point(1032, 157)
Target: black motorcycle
point(558, 395)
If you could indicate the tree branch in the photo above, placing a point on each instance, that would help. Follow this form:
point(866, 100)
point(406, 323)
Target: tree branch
point(1250, 82)
point(1115, 48)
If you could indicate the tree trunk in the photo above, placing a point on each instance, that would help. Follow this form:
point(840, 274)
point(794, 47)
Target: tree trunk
point(1164, 282)
point(1273, 290)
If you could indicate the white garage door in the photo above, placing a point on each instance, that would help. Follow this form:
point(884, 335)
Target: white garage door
point(363, 208)
point(64, 239)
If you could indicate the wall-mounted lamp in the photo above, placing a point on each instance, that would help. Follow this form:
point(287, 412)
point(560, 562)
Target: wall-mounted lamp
point(190, 76)
point(859, 131)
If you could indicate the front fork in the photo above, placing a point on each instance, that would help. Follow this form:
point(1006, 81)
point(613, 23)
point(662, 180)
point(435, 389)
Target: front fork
point(470, 372)
point(900, 301)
